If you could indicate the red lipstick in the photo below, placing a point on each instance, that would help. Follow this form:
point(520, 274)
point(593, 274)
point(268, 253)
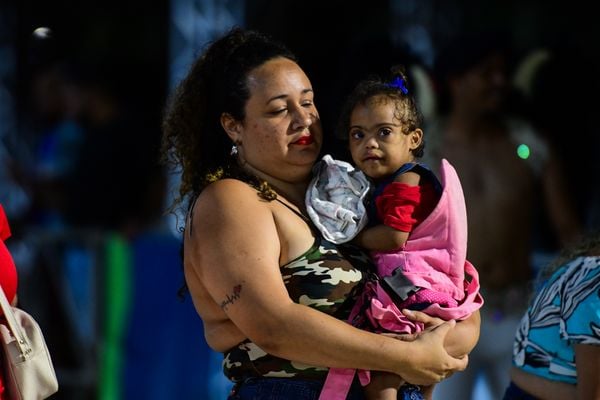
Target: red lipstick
point(304, 140)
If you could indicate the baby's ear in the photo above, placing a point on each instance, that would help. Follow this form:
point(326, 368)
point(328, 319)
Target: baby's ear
point(416, 138)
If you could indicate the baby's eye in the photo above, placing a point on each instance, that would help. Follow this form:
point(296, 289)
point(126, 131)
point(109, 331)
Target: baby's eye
point(385, 132)
point(357, 135)
point(307, 103)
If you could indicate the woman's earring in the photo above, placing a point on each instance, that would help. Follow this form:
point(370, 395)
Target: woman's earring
point(234, 150)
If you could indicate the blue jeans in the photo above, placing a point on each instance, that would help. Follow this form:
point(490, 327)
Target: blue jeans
point(285, 389)
point(297, 389)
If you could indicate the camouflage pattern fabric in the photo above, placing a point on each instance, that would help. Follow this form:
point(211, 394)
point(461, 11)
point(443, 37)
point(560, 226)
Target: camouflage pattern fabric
point(328, 278)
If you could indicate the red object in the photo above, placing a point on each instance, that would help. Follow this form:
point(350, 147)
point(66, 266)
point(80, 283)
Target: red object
point(403, 207)
point(4, 228)
point(304, 140)
point(8, 274)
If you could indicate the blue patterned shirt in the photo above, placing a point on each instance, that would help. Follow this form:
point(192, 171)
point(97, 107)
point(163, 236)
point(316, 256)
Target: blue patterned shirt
point(565, 312)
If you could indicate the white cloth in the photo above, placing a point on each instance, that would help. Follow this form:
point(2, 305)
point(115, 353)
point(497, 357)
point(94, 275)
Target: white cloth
point(334, 199)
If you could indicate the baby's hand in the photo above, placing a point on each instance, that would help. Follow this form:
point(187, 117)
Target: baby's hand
point(427, 320)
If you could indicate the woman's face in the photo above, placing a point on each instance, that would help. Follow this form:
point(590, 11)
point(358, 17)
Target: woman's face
point(281, 134)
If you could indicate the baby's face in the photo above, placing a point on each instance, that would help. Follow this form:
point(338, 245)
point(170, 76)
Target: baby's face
point(378, 143)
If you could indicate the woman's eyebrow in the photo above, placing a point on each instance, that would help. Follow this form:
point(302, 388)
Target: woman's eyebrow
point(283, 96)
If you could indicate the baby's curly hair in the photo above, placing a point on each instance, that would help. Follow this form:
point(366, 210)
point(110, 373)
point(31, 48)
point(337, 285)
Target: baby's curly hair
point(194, 142)
point(396, 88)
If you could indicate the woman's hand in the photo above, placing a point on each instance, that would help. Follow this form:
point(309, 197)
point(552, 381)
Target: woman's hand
point(460, 340)
point(416, 316)
point(430, 361)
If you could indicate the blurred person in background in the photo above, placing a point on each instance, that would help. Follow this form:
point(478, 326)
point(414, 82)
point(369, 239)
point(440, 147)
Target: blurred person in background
point(56, 101)
point(94, 150)
point(115, 183)
point(508, 173)
point(556, 352)
point(97, 192)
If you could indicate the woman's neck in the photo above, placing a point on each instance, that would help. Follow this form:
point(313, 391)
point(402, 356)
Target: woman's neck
point(294, 191)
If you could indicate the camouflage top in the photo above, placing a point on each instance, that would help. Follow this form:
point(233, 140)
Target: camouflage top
point(327, 277)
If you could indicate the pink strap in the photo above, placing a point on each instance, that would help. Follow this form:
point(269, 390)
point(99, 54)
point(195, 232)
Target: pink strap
point(339, 380)
point(337, 385)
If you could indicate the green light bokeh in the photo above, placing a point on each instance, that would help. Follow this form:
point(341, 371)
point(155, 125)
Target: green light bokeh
point(523, 151)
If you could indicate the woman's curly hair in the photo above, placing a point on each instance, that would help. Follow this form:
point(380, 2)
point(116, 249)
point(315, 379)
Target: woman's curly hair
point(395, 88)
point(194, 143)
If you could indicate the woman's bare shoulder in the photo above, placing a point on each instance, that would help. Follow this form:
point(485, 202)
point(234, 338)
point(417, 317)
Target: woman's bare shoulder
point(227, 211)
point(226, 202)
point(226, 193)
point(225, 188)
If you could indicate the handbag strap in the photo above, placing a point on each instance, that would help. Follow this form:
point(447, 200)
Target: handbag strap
point(21, 340)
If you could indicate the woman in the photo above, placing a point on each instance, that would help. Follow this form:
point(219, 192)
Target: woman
point(272, 293)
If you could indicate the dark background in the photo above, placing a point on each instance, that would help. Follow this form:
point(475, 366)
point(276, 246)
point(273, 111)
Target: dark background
point(337, 41)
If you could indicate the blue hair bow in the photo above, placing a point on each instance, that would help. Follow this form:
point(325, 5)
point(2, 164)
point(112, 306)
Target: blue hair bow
point(400, 84)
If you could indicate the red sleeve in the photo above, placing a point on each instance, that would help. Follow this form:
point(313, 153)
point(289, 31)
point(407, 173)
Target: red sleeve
point(8, 272)
point(396, 206)
point(4, 227)
point(403, 207)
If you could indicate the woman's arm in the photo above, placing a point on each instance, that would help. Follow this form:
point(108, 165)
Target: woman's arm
point(543, 388)
point(588, 371)
point(587, 388)
point(234, 251)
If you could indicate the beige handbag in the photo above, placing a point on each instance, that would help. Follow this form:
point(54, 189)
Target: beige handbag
point(28, 370)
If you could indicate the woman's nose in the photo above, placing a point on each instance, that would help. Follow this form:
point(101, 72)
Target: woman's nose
point(302, 119)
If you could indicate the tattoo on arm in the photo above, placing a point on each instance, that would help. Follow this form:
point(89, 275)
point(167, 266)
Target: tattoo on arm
point(232, 298)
